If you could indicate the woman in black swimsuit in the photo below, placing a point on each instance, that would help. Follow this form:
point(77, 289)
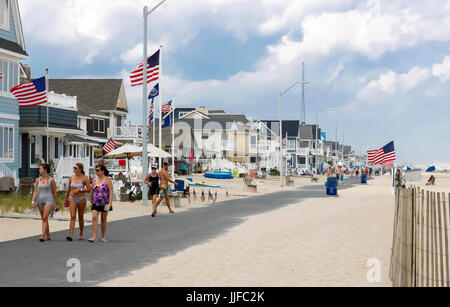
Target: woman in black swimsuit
point(152, 180)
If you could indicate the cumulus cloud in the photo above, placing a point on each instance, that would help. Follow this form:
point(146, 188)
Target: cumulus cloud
point(442, 70)
point(392, 82)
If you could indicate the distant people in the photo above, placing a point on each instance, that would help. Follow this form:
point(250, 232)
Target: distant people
point(45, 198)
point(76, 196)
point(399, 179)
point(152, 180)
point(340, 175)
point(370, 172)
point(431, 181)
point(329, 172)
point(101, 199)
point(164, 189)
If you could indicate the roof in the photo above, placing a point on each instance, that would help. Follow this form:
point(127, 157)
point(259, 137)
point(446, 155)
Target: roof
point(80, 139)
point(289, 126)
point(93, 95)
point(12, 46)
point(239, 118)
point(37, 124)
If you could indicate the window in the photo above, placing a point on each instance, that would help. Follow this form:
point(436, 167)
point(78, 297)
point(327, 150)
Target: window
point(291, 145)
point(4, 16)
point(181, 114)
point(6, 143)
point(119, 121)
point(99, 125)
point(253, 140)
point(10, 76)
point(301, 160)
point(33, 157)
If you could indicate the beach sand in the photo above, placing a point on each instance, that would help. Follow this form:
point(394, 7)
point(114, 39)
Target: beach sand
point(316, 242)
point(13, 229)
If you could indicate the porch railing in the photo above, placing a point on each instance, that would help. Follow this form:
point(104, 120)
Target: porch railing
point(7, 172)
point(65, 169)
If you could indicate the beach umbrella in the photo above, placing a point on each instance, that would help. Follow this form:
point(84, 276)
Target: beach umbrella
point(431, 169)
point(155, 152)
point(125, 152)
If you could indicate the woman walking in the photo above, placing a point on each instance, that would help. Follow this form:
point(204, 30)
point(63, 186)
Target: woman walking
point(101, 198)
point(152, 180)
point(76, 196)
point(45, 198)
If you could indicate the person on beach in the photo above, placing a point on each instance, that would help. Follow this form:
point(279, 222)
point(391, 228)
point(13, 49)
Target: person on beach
point(101, 199)
point(76, 197)
point(329, 172)
point(164, 189)
point(45, 198)
point(152, 180)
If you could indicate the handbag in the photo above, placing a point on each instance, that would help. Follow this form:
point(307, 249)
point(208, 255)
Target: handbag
point(66, 203)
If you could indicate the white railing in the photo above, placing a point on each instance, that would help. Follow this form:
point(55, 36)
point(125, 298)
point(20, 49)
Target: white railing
point(7, 172)
point(302, 151)
point(127, 132)
point(62, 101)
point(65, 169)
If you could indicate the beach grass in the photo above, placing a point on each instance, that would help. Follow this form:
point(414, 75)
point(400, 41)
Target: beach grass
point(15, 203)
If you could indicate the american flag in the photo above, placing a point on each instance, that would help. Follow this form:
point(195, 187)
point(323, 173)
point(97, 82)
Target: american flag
point(31, 94)
point(1, 75)
point(167, 107)
point(383, 156)
point(110, 146)
point(150, 116)
point(137, 76)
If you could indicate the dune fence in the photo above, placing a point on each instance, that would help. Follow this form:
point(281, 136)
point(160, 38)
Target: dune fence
point(420, 248)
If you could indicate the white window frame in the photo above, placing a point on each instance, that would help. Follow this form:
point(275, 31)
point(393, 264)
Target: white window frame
point(291, 144)
point(36, 150)
point(181, 114)
point(5, 11)
point(8, 159)
point(8, 74)
point(104, 127)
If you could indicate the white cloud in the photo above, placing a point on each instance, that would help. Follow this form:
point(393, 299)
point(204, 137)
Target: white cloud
point(367, 30)
point(391, 82)
point(336, 72)
point(442, 70)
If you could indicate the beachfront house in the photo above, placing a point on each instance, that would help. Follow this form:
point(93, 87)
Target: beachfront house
point(66, 144)
point(12, 52)
point(103, 108)
point(228, 139)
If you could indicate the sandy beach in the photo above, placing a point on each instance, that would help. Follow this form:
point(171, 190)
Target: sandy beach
point(317, 242)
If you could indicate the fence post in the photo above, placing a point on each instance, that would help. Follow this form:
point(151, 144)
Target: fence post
point(441, 250)
point(428, 239)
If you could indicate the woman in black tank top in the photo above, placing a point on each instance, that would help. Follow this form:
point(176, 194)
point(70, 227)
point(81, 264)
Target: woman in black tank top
point(152, 180)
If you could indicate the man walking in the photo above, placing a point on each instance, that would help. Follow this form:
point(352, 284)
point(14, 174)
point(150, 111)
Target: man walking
point(164, 189)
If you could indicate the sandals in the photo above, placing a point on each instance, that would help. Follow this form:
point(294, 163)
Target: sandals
point(69, 239)
point(92, 241)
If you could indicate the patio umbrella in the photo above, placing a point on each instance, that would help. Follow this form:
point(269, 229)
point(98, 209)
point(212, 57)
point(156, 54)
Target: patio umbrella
point(126, 151)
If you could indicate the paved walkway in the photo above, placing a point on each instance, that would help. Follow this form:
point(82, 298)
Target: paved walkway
point(133, 243)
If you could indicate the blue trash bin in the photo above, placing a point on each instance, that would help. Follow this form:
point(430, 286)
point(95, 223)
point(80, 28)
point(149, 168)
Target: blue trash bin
point(363, 179)
point(180, 186)
point(331, 186)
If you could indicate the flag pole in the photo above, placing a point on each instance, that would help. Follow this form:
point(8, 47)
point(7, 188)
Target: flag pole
point(154, 122)
point(160, 104)
point(46, 89)
point(173, 138)
point(144, 114)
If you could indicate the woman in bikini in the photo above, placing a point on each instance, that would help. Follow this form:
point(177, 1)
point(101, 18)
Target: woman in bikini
point(76, 196)
point(44, 197)
point(101, 198)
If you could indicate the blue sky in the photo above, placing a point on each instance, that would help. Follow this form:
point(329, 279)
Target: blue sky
point(384, 66)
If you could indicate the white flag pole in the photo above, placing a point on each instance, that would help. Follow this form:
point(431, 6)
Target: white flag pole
point(46, 89)
point(144, 114)
point(173, 138)
point(160, 104)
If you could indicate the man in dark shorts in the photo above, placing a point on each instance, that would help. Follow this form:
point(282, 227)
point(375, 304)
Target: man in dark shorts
point(164, 189)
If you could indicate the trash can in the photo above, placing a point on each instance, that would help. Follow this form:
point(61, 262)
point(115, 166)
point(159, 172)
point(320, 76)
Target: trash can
point(331, 186)
point(180, 186)
point(363, 179)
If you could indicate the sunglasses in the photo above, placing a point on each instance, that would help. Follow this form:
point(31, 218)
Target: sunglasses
point(75, 168)
point(97, 170)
